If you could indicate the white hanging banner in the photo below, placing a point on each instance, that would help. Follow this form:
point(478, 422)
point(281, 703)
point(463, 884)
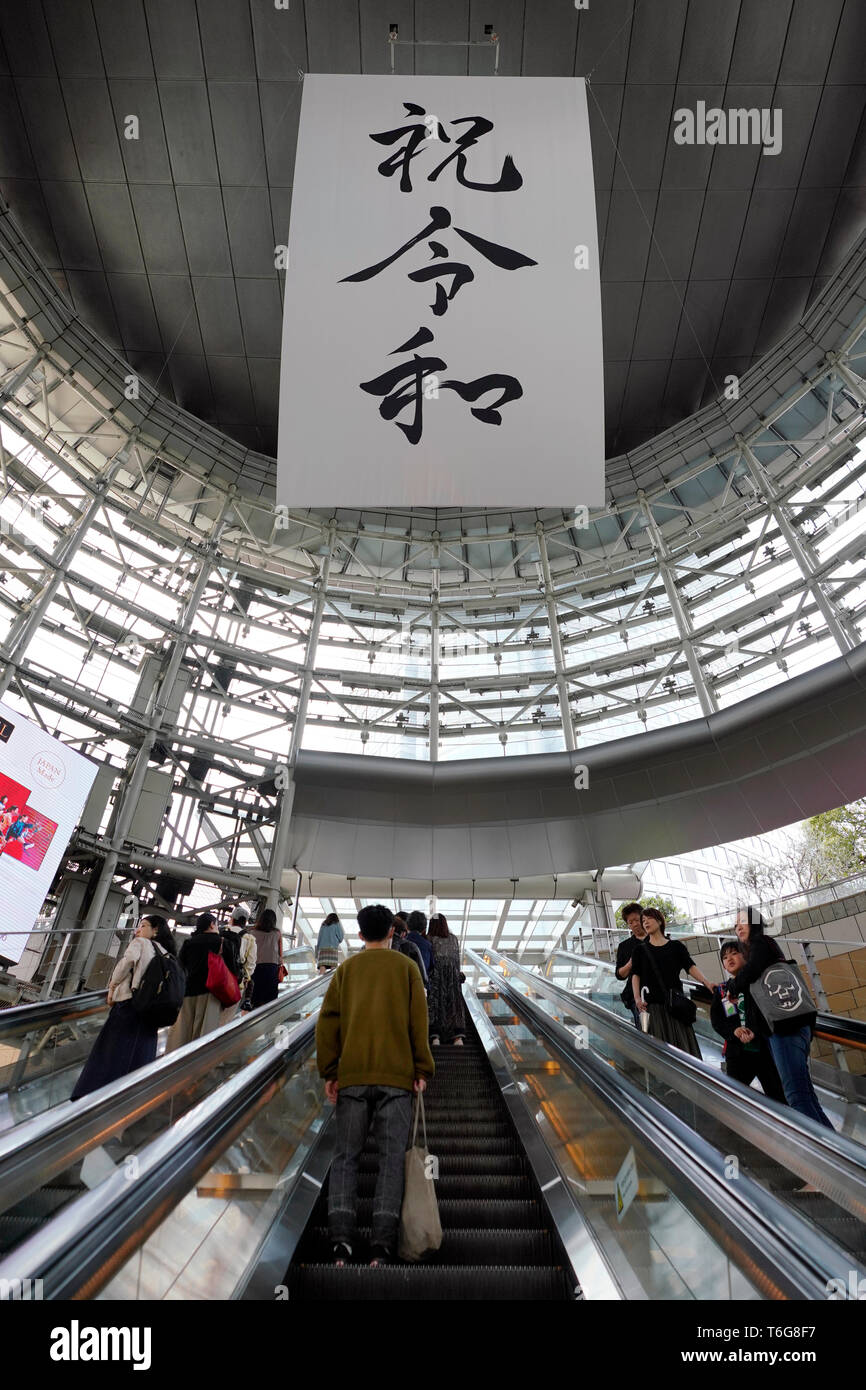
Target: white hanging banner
point(442, 323)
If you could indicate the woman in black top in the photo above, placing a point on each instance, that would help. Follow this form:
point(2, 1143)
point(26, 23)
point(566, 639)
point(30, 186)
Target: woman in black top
point(201, 1010)
point(790, 1039)
point(655, 969)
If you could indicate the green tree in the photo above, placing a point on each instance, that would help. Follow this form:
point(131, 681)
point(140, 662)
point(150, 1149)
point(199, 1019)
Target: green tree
point(673, 915)
point(839, 837)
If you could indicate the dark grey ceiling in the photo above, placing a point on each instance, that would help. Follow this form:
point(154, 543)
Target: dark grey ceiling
point(165, 244)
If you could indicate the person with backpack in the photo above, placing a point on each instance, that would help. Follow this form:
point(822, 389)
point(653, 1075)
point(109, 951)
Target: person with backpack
point(240, 957)
point(127, 1039)
point(417, 924)
point(201, 1008)
point(789, 1039)
point(400, 942)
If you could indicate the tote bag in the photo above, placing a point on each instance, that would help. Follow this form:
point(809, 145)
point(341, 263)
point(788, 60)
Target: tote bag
point(420, 1227)
point(781, 993)
point(221, 983)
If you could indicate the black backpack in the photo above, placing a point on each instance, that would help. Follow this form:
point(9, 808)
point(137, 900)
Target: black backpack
point(159, 998)
point(232, 951)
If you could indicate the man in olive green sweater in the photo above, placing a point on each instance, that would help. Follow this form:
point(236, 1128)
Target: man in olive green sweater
point(373, 1052)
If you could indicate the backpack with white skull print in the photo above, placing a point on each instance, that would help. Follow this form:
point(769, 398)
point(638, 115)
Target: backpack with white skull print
point(782, 994)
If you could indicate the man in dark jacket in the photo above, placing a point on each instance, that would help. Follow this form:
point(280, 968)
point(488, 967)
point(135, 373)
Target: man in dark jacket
point(417, 928)
point(400, 942)
point(631, 915)
point(747, 1052)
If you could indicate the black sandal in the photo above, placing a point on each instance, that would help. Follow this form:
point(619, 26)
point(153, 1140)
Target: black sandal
point(379, 1255)
point(342, 1252)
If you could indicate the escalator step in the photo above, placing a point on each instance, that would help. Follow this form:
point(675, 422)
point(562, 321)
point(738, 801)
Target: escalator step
point(497, 1247)
point(469, 1129)
point(517, 1282)
point(461, 1143)
point(462, 1115)
point(464, 1185)
point(15, 1228)
point(516, 1213)
point(45, 1201)
point(466, 1163)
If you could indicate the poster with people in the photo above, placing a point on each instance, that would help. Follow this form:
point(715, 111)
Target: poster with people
point(43, 788)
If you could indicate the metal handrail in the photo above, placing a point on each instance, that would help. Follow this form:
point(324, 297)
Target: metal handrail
point(48, 1012)
point(795, 1257)
point(830, 1160)
point(87, 1242)
point(21, 1018)
point(40, 1148)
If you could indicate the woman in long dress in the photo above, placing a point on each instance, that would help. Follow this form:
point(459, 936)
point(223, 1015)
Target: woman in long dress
point(125, 1041)
point(445, 998)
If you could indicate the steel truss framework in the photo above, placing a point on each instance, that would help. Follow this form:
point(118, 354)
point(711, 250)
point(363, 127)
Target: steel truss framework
point(157, 610)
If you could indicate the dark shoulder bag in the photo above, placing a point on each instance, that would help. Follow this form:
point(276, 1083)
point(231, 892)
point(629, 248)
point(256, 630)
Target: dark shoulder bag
point(677, 1002)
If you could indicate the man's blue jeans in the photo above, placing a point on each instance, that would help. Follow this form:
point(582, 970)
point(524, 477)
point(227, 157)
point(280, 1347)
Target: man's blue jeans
point(791, 1055)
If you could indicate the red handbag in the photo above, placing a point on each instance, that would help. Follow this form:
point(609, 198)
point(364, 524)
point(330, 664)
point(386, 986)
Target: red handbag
point(221, 983)
point(282, 973)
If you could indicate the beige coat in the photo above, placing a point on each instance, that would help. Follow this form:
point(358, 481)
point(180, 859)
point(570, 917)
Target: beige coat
point(126, 976)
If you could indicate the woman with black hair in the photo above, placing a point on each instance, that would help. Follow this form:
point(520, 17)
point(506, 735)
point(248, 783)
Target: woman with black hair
point(269, 958)
point(444, 998)
point(790, 1039)
point(126, 1042)
point(201, 1010)
point(656, 967)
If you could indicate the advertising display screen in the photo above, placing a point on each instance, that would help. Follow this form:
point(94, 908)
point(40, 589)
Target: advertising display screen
point(43, 788)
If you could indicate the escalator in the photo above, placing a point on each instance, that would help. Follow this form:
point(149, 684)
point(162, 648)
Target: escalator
point(497, 1236)
point(53, 1157)
point(532, 1129)
point(838, 1052)
point(43, 1046)
point(739, 1121)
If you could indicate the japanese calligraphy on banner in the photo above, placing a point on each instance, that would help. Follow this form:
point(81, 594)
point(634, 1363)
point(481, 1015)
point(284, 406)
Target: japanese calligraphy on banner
point(442, 322)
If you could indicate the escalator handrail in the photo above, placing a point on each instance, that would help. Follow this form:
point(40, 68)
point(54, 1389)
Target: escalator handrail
point(45, 1013)
point(818, 1155)
point(778, 1239)
point(834, 1028)
point(37, 1149)
point(77, 1251)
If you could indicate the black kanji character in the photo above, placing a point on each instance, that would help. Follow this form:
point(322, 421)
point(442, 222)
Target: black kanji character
point(419, 134)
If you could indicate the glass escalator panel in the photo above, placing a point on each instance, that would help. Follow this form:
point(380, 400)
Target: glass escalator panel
point(784, 1183)
point(203, 1248)
point(656, 1248)
point(40, 1063)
